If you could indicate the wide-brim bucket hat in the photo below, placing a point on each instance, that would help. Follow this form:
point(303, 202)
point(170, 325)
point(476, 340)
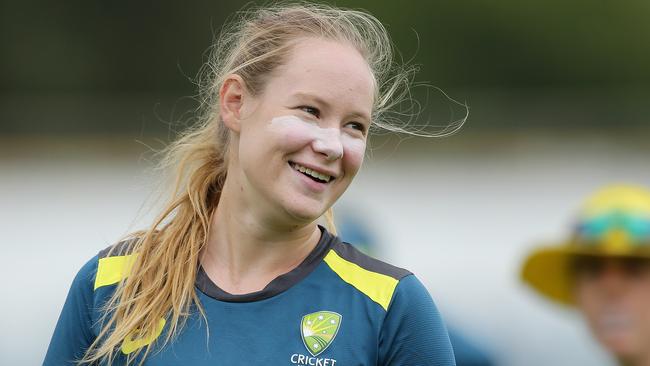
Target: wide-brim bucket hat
point(613, 222)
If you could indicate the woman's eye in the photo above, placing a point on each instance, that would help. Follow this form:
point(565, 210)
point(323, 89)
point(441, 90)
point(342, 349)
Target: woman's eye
point(311, 110)
point(358, 126)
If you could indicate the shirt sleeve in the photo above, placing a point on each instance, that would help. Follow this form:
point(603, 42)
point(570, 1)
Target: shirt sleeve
point(73, 333)
point(413, 333)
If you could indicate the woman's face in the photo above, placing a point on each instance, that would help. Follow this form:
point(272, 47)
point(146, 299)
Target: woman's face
point(614, 296)
point(302, 139)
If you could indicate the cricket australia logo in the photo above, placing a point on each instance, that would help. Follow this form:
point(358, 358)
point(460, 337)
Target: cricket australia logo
point(319, 329)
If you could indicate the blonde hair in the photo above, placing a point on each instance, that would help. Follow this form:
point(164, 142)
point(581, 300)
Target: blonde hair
point(161, 280)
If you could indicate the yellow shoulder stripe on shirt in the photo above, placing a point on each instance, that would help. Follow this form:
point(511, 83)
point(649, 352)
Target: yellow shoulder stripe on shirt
point(111, 270)
point(376, 286)
point(129, 345)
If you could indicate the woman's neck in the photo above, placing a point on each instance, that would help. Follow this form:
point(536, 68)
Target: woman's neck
point(244, 253)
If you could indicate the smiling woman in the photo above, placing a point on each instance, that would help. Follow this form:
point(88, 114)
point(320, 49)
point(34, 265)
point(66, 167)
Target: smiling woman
point(236, 270)
point(302, 126)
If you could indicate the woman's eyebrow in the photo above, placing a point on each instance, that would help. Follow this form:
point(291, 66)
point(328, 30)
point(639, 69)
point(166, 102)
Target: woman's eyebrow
point(315, 98)
point(361, 116)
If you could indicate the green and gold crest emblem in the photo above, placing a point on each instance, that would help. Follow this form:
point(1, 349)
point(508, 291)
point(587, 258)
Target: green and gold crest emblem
point(319, 329)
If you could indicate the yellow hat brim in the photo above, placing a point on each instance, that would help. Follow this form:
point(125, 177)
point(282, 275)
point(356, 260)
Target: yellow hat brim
point(548, 270)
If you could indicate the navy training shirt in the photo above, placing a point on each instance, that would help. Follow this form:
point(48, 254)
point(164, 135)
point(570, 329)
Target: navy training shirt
point(339, 307)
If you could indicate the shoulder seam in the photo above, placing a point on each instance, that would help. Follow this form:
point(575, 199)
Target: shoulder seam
point(352, 254)
point(118, 249)
point(379, 287)
point(114, 263)
point(398, 283)
point(111, 270)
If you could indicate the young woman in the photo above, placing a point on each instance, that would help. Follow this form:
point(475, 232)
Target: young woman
point(236, 270)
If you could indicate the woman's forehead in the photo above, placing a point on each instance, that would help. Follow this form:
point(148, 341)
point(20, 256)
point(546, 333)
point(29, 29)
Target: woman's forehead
point(331, 71)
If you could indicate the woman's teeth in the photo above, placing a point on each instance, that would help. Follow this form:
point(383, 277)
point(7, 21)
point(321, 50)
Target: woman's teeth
point(312, 173)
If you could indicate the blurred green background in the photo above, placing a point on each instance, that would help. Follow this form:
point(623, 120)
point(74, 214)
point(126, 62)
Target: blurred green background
point(126, 67)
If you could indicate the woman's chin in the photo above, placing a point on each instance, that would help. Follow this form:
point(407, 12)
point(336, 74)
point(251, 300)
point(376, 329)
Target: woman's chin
point(621, 345)
point(305, 213)
point(304, 216)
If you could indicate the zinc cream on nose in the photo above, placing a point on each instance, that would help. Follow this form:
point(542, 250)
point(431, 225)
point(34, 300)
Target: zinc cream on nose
point(331, 140)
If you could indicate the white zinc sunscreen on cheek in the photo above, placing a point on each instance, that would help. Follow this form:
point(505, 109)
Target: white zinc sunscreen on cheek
point(328, 140)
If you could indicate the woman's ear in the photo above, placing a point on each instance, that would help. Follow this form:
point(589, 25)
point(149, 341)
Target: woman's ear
point(231, 99)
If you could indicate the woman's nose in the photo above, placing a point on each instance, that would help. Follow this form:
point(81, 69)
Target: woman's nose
point(328, 142)
point(613, 278)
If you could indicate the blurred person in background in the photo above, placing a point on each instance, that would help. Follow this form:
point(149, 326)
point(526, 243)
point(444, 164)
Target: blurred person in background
point(604, 271)
point(235, 269)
